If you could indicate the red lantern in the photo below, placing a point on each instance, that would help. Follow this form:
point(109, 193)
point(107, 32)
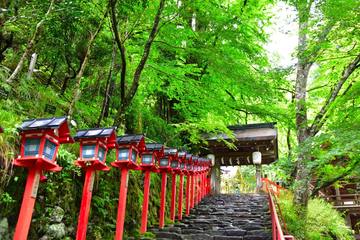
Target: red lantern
point(94, 144)
point(128, 148)
point(40, 140)
point(149, 158)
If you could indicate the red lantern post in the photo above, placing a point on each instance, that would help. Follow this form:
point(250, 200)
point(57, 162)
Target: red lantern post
point(164, 168)
point(40, 140)
point(175, 169)
point(149, 158)
point(94, 144)
point(181, 172)
point(195, 160)
point(1, 130)
point(188, 183)
point(129, 146)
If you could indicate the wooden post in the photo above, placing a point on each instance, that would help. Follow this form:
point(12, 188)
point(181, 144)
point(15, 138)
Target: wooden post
point(180, 196)
point(28, 202)
point(173, 197)
point(187, 205)
point(144, 216)
point(122, 204)
point(162, 200)
point(258, 177)
point(85, 205)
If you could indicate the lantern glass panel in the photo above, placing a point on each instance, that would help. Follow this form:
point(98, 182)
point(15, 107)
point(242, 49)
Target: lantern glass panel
point(88, 151)
point(123, 154)
point(133, 156)
point(188, 167)
point(174, 164)
point(182, 165)
point(101, 154)
point(147, 158)
point(32, 146)
point(164, 162)
point(49, 149)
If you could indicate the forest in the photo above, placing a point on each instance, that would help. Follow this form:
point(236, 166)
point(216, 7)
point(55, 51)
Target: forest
point(176, 71)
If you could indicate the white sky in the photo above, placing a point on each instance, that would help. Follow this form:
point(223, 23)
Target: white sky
point(282, 35)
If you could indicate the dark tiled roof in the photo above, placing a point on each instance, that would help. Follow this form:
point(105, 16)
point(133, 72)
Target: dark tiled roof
point(127, 139)
point(252, 126)
point(94, 133)
point(170, 151)
point(154, 146)
point(42, 123)
point(181, 154)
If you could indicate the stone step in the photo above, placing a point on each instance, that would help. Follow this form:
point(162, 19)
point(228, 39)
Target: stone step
point(218, 217)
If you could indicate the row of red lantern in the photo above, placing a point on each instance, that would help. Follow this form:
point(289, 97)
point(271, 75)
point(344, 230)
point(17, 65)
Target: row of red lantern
point(39, 145)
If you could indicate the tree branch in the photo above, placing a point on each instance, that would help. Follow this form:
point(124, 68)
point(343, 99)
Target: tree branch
point(80, 73)
point(145, 56)
point(30, 44)
point(318, 123)
point(121, 47)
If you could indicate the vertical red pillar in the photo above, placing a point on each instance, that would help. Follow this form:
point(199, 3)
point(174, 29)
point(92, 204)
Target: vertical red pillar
point(173, 197)
point(187, 205)
point(202, 186)
point(85, 205)
point(195, 189)
point(28, 202)
point(199, 189)
point(209, 185)
point(144, 215)
point(192, 191)
point(122, 204)
point(162, 200)
point(181, 193)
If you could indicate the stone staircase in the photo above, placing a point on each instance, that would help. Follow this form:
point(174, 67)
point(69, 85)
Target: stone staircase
point(217, 217)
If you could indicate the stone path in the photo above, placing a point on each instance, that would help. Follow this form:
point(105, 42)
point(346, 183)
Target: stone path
point(241, 217)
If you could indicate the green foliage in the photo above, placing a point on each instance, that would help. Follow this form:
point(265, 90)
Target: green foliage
point(322, 221)
point(198, 79)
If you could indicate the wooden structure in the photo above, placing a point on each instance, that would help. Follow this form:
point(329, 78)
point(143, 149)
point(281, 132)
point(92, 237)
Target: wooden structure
point(347, 200)
point(246, 139)
point(238, 148)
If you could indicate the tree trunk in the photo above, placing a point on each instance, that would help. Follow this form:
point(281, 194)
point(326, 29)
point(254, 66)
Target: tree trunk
point(30, 45)
point(107, 95)
point(32, 66)
point(120, 116)
point(301, 192)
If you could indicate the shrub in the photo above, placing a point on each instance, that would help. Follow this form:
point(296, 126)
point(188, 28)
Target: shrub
point(322, 221)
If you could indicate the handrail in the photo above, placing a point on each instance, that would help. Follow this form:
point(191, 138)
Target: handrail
point(273, 191)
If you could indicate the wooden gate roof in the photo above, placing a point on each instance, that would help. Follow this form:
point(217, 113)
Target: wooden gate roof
point(246, 140)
